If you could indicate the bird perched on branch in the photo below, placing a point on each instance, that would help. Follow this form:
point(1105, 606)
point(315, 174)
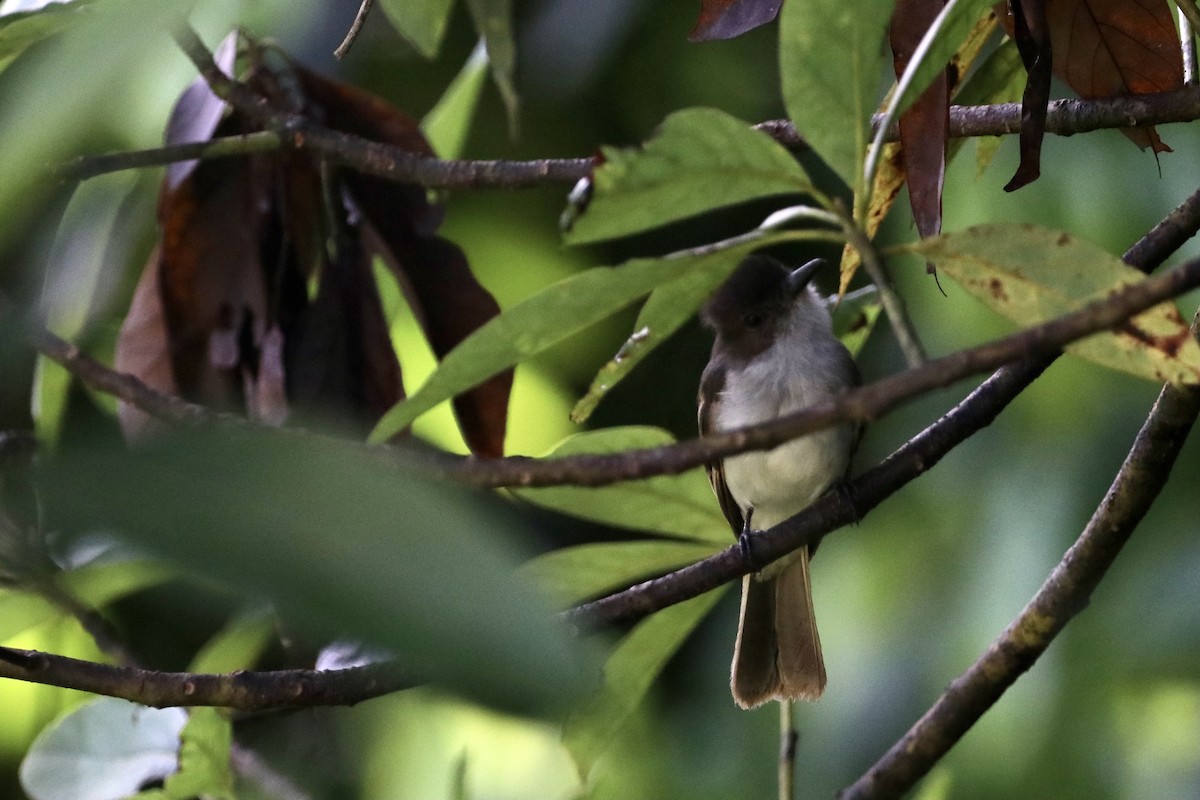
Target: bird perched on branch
point(774, 353)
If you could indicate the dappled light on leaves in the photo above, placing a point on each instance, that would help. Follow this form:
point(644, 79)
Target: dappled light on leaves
point(260, 297)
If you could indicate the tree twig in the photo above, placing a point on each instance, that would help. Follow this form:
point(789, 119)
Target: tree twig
point(1064, 594)
point(86, 167)
point(245, 691)
point(1065, 117)
point(360, 17)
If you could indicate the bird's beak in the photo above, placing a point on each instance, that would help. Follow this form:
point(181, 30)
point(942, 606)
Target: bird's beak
point(800, 277)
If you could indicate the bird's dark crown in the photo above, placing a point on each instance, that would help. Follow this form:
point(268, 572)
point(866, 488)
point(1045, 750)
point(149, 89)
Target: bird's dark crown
point(755, 295)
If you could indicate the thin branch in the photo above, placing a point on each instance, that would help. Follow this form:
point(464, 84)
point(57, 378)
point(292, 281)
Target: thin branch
point(1064, 594)
point(245, 691)
point(86, 167)
point(364, 8)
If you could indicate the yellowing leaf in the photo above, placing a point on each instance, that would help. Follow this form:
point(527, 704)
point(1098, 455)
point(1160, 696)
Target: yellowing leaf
point(1030, 275)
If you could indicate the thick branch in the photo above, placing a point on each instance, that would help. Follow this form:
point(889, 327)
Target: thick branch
point(1064, 594)
point(859, 405)
point(245, 691)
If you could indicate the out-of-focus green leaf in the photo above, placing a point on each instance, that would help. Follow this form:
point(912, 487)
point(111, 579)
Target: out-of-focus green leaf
point(666, 310)
point(95, 585)
point(1030, 274)
point(423, 23)
point(204, 767)
point(542, 321)
point(91, 58)
point(701, 159)
point(22, 610)
point(106, 749)
point(574, 574)
point(672, 505)
point(448, 123)
point(493, 21)
point(831, 58)
point(628, 675)
point(102, 582)
point(937, 785)
point(238, 645)
point(21, 30)
point(962, 15)
point(342, 546)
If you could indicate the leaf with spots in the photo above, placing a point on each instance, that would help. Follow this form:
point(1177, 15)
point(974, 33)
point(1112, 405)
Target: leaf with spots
point(1030, 275)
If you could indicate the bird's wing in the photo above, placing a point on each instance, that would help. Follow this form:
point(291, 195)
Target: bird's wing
point(712, 382)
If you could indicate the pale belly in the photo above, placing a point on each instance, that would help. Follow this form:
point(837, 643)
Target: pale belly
point(779, 483)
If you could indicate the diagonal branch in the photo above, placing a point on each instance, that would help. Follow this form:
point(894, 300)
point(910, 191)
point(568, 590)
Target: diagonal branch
point(1064, 594)
point(858, 405)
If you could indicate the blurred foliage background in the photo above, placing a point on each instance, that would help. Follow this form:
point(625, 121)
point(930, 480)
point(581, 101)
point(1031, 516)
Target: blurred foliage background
point(907, 599)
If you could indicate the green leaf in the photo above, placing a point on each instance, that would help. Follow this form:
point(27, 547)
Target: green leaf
point(95, 585)
point(574, 574)
point(102, 582)
point(701, 159)
point(493, 21)
point(238, 645)
point(831, 58)
point(854, 319)
point(681, 506)
point(628, 675)
point(961, 16)
point(21, 30)
point(1030, 275)
point(422, 23)
point(341, 545)
point(667, 309)
point(448, 123)
point(104, 749)
point(542, 321)
point(22, 610)
point(999, 79)
point(204, 767)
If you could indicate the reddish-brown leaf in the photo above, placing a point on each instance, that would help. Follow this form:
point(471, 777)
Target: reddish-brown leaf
point(445, 296)
point(1108, 47)
point(142, 349)
point(725, 19)
point(1028, 27)
point(1100, 48)
point(924, 127)
point(213, 286)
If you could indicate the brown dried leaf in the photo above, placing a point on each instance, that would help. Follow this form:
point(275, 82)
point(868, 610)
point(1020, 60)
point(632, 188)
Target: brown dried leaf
point(445, 296)
point(142, 349)
point(725, 19)
point(924, 127)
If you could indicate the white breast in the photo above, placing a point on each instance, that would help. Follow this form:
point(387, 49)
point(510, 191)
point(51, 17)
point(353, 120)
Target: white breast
point(779, 483)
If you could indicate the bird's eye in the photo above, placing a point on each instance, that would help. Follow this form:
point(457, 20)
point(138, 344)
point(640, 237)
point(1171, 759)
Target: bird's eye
point(752, 320)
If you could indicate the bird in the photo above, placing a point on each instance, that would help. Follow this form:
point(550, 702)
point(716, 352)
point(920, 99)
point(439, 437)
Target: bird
point(774, 353)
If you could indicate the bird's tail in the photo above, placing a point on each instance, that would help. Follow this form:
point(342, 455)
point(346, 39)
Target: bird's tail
point(778, 652)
